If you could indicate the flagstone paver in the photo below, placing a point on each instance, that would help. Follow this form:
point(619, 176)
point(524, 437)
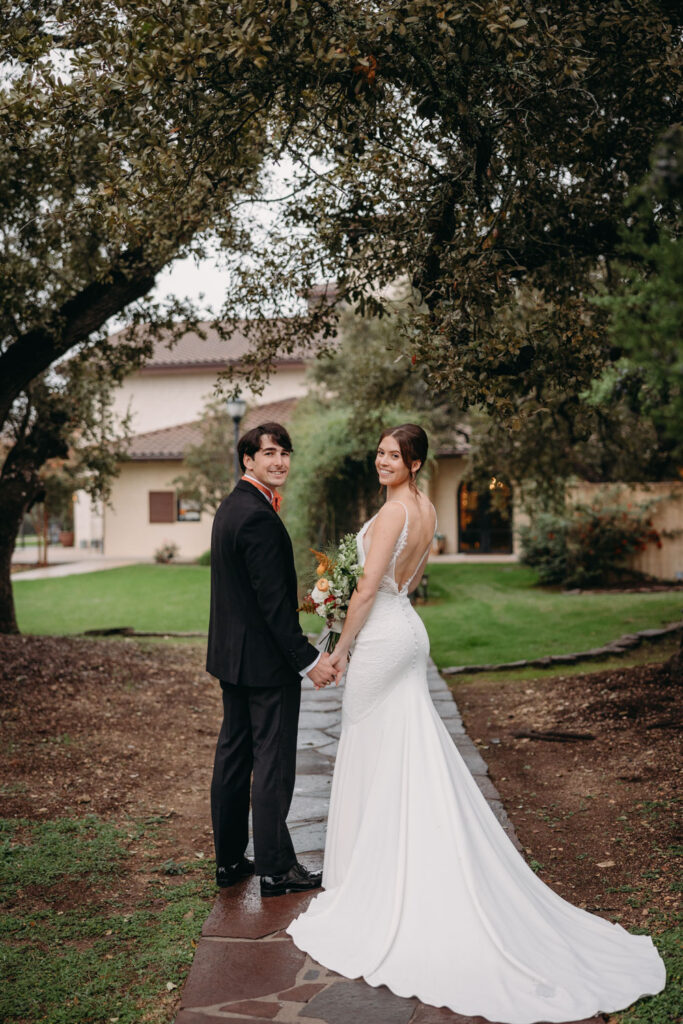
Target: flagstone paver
point(349, 1001)
point(225, 972)
point(246, 967)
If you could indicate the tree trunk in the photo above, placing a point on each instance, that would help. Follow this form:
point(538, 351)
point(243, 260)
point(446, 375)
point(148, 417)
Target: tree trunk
point(8, 619)
point(20, 486)
point(15, 498)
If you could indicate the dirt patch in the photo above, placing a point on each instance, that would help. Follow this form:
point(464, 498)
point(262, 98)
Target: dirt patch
point(598, 817)
point(126, 730)
point(121, 729)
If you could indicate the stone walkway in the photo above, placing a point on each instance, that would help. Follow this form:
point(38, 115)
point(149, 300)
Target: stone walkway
point(246, 968)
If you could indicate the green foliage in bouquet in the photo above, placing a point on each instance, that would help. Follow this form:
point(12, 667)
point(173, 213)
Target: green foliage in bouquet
point(337, 575)
point(346, 569)
point(338, 571)
point(586, 545)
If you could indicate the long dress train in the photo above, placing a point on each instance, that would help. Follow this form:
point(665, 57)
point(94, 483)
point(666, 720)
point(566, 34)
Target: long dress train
point(424, 892)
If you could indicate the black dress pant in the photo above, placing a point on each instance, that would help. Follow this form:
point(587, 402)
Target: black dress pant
point(258, 736)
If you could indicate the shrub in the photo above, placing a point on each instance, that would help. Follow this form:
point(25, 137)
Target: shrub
point(587, 545)
point(205, 558)
point(166, 553)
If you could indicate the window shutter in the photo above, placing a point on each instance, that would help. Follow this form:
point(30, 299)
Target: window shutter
point(162, 506)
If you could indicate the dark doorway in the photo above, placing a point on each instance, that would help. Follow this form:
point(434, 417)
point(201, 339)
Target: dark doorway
point(485, 519)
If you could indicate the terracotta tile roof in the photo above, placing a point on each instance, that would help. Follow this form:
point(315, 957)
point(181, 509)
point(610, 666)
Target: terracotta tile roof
point(209, 352)
point(167, 443)
point(171, 443)
point(275, 412)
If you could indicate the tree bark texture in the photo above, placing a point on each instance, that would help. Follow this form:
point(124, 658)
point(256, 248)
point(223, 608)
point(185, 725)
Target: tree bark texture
point(18, 488)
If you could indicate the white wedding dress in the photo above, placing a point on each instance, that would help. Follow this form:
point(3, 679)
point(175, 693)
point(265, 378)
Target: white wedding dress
point(424, 892)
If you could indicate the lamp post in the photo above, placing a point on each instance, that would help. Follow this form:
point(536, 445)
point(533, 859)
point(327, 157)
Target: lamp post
point(236, 409)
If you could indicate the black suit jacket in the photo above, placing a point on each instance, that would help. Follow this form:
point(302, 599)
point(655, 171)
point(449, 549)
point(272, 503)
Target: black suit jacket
point(254, 634)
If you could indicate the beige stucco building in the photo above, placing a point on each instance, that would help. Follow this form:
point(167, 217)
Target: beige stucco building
point(169, 393)
point(137, 523)
point(146, 512)
point(165, 400)
point(175, 384)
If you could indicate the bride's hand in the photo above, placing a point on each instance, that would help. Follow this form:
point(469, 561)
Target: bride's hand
point(338, 660)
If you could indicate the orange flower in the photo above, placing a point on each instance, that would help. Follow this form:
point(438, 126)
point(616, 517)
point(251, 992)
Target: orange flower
point(325, 564)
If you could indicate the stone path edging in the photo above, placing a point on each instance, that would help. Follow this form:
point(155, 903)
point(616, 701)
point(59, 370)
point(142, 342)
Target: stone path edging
point(246, 968)
point(620, 646)
point(130, 631)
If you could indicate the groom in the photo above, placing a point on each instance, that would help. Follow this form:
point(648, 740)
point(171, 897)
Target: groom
point(258, 651)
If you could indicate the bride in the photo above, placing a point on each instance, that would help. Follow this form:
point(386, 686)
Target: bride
point(424, 892)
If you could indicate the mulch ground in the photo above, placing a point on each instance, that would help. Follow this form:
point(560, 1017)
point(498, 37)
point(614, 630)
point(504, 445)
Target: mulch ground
point(119, 728)
point(589, 769)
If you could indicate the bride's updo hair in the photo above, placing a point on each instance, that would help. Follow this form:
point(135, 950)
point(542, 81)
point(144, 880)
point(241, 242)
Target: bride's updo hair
point(414, 445)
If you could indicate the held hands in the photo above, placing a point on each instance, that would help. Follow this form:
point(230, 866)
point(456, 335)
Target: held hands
point(339, 659)
point(324, 673)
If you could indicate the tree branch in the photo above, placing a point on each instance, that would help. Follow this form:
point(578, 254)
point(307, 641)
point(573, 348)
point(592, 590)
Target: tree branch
point(77, 318)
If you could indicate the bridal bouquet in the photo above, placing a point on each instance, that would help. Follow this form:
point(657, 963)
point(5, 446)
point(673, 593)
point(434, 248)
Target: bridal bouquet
point(338, 573)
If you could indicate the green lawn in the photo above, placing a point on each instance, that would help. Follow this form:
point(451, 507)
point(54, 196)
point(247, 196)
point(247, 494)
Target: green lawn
point(480, 614)
point(147, 597)
point(476, 613)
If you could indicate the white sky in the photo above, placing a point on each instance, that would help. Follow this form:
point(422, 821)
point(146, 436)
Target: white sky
point(188, 279)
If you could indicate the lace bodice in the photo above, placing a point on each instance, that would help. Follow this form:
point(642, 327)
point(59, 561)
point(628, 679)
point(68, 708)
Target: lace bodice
point(388, 583)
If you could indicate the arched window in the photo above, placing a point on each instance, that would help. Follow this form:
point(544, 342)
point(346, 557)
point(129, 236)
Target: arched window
point(485, 525)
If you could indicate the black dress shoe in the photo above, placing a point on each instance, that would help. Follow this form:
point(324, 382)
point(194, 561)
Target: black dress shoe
point(297, 879)
point(234, 873)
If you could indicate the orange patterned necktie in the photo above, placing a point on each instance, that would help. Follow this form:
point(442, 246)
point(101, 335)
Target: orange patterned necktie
point(273, 496)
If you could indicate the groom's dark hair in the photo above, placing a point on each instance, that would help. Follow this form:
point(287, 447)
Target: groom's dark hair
point(250, 442)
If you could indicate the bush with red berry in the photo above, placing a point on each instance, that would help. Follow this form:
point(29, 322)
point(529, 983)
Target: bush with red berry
point(587, 545)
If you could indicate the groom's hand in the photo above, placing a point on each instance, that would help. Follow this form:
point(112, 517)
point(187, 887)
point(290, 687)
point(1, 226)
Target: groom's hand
point(323, 673)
